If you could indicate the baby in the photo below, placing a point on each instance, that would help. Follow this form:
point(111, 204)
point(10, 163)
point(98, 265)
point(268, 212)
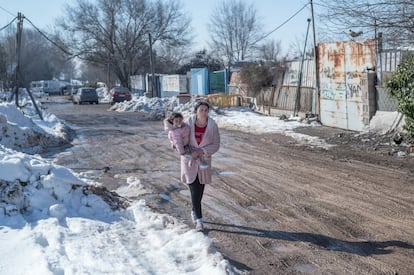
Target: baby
point(179, 136)
point(178, 133)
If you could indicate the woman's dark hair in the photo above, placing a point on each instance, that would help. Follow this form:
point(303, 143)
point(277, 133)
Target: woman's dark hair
point(174, 115)
point(200, 103)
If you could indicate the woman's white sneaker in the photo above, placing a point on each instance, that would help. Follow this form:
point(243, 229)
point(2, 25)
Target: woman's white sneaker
point(199, 225)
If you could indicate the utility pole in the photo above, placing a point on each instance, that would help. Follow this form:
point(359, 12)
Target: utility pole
point(316, 95)
point(297, 97)
point(108, 76)
point(18, 75)
point(152, 67)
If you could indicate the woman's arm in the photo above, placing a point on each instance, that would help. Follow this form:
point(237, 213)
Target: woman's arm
point(214, 145)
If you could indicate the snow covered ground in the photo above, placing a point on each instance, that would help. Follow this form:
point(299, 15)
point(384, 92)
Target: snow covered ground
point(53, 222)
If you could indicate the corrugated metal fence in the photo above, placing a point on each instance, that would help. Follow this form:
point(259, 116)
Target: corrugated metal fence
point(282, 96)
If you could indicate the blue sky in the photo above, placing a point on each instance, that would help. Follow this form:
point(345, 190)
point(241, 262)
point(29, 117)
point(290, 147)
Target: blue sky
point(272, 13)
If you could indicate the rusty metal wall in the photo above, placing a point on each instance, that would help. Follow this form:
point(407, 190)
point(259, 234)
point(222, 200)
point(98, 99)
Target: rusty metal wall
point(344, 95)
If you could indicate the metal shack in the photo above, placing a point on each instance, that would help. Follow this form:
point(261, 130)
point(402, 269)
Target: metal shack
point(138, 84)
point(347, 83)
point(173, 85)
point(199, 81)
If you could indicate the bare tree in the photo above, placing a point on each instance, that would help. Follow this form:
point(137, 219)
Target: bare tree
point(395, 18)
point(117, 33)
point(270, 51)
point(202, 59)
point(234, 30)
point(40, 60)
point(296, 48)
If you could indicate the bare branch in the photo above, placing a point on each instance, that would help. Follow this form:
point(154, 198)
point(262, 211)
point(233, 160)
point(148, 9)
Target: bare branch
point(116, 32)
point(234, 30)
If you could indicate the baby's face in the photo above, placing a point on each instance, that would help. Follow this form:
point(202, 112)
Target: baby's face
point(177, 122)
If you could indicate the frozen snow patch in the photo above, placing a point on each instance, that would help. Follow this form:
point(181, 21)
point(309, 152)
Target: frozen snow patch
point(226, 173)
point(306, 268)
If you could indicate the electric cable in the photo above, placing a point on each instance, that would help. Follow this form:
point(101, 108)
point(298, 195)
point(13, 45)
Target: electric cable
point(14, 19)
point(283, 23)
point(48, 39)
point(1, 8)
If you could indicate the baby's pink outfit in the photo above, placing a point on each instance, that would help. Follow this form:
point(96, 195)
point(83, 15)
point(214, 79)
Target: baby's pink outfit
point(178, 136)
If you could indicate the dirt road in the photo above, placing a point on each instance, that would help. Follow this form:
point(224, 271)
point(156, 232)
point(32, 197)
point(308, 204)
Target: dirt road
point(275, 207)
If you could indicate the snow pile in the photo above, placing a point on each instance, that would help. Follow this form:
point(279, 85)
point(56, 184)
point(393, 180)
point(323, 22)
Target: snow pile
point(37, 189)
point(54, 222)
point(26, 132)
point(386, 122)
point(103, 94)
point(156, 108)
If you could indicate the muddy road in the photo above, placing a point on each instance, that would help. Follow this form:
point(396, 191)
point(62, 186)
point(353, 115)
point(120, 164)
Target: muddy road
point(275, 207)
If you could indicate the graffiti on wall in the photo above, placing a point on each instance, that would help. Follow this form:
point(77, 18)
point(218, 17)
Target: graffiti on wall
point(328, 93)
point(353, 90)
point(327, 72)
point(353, 86)
point(336, 87)
point(334, 91)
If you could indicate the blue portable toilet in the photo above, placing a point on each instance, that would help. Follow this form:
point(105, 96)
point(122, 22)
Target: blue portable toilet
point(199, 81)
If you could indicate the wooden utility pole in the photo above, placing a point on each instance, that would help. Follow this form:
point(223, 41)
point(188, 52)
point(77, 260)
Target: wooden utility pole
point(152, 67)
point(297, 97)
point(18, 76)
point(315, 103)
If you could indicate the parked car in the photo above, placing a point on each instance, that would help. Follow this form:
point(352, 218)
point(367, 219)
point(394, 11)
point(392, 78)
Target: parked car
point(85, 94)
point(119, 94)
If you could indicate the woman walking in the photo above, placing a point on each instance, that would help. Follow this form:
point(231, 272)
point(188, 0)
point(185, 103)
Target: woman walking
point(196, 172)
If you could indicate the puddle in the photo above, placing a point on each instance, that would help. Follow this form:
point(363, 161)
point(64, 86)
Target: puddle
point(165, 197)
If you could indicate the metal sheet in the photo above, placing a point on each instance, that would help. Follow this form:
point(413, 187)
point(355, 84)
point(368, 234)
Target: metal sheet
point(292, 73)
point(199, 81)
point(343, 69)
point(173, 85)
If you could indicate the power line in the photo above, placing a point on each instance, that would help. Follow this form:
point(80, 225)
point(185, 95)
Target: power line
point(36, 28)
point(47, 38)
point(6, 11)
point(14, 19)
point(281, 25)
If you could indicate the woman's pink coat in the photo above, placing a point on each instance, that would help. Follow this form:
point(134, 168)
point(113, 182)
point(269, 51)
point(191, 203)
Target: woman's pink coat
point(210, 145)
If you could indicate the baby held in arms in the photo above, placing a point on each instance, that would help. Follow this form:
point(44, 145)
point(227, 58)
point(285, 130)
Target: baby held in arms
point(179, 135)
